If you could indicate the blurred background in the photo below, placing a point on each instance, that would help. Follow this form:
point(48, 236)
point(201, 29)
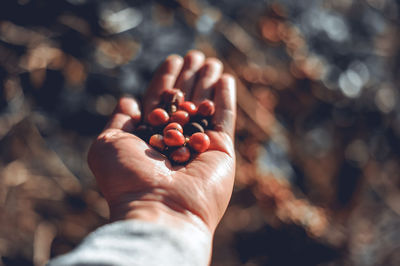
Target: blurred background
point(317, 132)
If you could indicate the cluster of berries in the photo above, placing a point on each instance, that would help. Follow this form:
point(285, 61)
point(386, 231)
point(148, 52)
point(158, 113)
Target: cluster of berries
point(176, 128)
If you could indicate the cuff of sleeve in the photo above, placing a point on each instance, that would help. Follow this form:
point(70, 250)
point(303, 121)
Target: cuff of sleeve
point(140, 243)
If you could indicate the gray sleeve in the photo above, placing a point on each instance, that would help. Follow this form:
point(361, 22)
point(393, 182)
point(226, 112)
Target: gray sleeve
point(139, 243)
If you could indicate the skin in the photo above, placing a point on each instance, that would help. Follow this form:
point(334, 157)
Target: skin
point(140, 183)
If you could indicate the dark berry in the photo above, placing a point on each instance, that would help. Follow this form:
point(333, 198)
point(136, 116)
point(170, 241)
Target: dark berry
point(180, 155)
point(191, 128)
point(144, 132)
point(171, 108)
point(204, 123)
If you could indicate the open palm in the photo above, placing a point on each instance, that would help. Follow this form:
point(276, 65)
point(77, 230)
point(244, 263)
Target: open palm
point(130, 173)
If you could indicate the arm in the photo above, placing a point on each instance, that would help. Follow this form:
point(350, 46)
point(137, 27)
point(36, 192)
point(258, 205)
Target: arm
point(183, 204)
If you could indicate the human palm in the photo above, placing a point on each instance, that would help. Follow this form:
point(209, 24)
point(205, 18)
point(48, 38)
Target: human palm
point(131, 174)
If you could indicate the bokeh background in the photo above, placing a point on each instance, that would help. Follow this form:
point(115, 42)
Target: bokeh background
point(317, 132)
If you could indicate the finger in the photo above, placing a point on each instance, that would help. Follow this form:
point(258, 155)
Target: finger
point(164, 78)
point(192, 63)
point(210, 72)
point(225, 103)
point(125, 116)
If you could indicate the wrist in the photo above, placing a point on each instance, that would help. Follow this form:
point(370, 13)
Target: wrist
point(157, 212)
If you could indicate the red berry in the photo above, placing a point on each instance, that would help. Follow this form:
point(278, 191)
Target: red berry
point(180, 155)
point(158, 117)
point(181, 117)
point(188, 107)
point(157, 141)
point(199, 142)
point(174, 138)
point(172, 96)
point(206, 108)
point(173, 125)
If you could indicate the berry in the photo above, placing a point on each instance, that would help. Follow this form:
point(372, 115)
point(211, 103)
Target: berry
point(172, 96)
point(173, 125)
point(188, 107)
point(158, 117)
point(204, 123)
point(192, 128)
point(171, 108)
point(180, 155)
point(199, 142)
point(181, 117)
point(173, 138)
point(206, 108)
point(176, 128)
point(144, 132)
point(157, 141)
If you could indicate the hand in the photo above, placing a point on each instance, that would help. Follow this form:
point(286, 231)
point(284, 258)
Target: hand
point(140, 183)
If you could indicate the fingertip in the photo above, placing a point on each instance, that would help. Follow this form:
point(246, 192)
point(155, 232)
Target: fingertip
point(227, 80)
point(195, 51)
point(173, 63)
point(128, 106)
point(193, 58)
point(212, 65)
point(126, 115)
point(173, 57)
point(214, 60)
point(121, 121)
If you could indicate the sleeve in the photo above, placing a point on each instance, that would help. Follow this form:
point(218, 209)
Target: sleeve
point(137, 243)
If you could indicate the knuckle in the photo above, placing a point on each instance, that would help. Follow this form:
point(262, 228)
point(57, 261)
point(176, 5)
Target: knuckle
point(107, 136)
point(100, 145)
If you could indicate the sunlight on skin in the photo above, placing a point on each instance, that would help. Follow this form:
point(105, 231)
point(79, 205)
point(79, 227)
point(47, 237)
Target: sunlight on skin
point(138, 182)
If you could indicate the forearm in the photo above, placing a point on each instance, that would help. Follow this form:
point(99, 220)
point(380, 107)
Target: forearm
point(146, 236)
